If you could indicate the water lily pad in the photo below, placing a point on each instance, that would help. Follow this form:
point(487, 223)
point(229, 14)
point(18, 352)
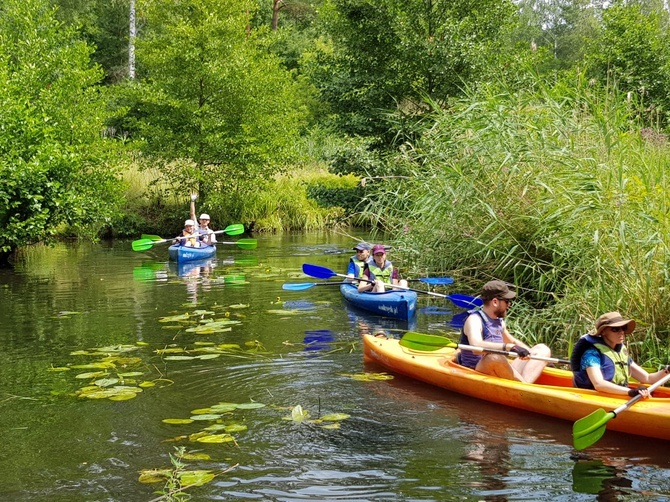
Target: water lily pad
point(216, 438)
point(201, 411)
point(175, 318)
point(131, 374)
point(208, 356)
point(154, 475)
point(59, 368)
point(235, 428)
point(106, 382)
point(195, 456)
point(146, 384)
point(227, 346)
point(239, 306)
point(334, 417)
point(178, 358)
point(177, 421)
point(250, 406)
point(298, 414)
point(208, 329)
point(123, 396)
point(206, 417)
point(285, 312)
point(171, 350)
point(202, 312)
point(215, 427)
point(93, 366)
point(89, 375)
point(223, 408)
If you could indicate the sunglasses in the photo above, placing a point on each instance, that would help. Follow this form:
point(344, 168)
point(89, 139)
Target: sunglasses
point(509, 302)
point(617, 329)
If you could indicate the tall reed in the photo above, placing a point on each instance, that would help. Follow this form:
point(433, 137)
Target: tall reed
point(556, 188)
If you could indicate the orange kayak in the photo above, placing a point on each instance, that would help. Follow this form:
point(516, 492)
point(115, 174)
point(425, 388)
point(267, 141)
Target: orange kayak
point(552, 394)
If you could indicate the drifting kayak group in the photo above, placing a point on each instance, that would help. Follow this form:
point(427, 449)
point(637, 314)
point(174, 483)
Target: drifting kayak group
point(602, 383)
point(197, 241)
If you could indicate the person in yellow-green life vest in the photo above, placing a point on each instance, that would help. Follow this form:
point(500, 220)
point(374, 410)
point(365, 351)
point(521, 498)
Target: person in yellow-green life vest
point(381, 271)
point(358, 261)
point(601, 361)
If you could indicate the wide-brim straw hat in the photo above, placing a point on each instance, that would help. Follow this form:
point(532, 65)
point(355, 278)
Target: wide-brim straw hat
point(612, 320)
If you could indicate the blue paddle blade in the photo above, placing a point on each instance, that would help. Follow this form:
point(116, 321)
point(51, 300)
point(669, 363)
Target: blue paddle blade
point(298, 286)
point(318, 272)
point(437, 280)
point(465, 301)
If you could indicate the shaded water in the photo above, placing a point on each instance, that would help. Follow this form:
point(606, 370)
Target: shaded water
point(404, 440)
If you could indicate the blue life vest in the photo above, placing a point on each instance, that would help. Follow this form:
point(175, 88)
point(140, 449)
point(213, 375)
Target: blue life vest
point(492, 330)
point(614, 363)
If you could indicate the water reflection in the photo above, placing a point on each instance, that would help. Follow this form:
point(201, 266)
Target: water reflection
point(596, 477)
point(370, 324)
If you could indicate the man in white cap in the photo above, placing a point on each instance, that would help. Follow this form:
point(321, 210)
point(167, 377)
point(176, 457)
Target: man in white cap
point(207, 235)
point(486, 328)
point(188, 237)
point(601, 361)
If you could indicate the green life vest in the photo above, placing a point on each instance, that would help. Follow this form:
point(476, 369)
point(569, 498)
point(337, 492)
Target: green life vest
point(619, 360)
point(384, 274)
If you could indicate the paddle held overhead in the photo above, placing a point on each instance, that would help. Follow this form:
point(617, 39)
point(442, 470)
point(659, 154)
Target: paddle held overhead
point(148, 241)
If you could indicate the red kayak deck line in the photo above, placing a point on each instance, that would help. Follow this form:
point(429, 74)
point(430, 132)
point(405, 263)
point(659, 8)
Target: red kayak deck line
point(552, 394)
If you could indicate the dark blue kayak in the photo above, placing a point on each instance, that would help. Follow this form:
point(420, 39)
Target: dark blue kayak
point(395, 304)
point(186, 253)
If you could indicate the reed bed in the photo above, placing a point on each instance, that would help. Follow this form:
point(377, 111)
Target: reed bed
point(557, 188)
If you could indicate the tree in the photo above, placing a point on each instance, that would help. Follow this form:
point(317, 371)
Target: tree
point(52, 153)
point(391, 54)
point(213, 100)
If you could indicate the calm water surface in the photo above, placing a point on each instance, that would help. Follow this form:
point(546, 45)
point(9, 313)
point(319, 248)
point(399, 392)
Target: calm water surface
point(404, 441)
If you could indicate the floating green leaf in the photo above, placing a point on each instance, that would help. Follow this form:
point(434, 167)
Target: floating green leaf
point(239, 306)
point(298, 414)
point(131, 374)
point(123, 396)
point(250, 406)
point(206, 417)
point(59, 368)
point(94, 366)
point(106, 382)
point(89, 375)
point(195, 456)
point(285, 312)
point(216, 438)
point(334, 417)
point(178, 358)
point(175, 318)
point(235, 428)
point(331, 426)
point(177, 421)
point(154, 475)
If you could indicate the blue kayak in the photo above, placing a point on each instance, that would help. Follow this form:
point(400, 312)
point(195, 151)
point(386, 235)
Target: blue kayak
point(186, 253)
point(395, 304)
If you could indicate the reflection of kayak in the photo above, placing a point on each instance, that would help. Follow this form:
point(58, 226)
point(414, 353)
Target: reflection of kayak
point(186, 253)
point(396, 304)
point(551, 395)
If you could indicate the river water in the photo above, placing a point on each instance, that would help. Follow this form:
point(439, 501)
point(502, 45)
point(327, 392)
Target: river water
point(76, 314)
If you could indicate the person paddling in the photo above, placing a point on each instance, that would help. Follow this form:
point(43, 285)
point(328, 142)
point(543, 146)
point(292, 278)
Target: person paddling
point(601, 361)
point(380, 270)
point(357, 262)
point(207, 235)
point(189, 236)
point(486, 328)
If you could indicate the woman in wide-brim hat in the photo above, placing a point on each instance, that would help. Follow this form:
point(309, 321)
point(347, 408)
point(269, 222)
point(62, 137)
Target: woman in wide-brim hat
point(601, 361)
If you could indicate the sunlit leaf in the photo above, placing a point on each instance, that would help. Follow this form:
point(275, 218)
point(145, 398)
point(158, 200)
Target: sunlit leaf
point(298, 414)
point(93, 366)
point(235, 428)
point(204, 344)
point(154, 476)
point(250, 406)
point(131, 374)
point(223, 408)
point(59, 368)
point(201, 411)
point(195, 478)
point(334, 417)
point(146, 384)
point(195, 456)
point(226, 346)
point(239, 306)
point(285, 312)
point(206, 417)
point(208, 356)
point(331, 426)
point(215, 427)
point(175, 318)
point(177, 421)
point(106, 382)
point(178, 358)
point(94, 374)
point(216, 438)
point(123, 396)
point(203, 312)
point(171, 350)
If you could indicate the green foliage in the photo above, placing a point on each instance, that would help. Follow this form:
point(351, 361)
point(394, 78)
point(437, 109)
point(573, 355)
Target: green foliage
point(554, 188)
point(212, 99)
point(634, 49)
point(54, 161)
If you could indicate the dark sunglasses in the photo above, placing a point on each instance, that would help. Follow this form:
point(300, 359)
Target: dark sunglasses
point(617, 329)
point(509, 302)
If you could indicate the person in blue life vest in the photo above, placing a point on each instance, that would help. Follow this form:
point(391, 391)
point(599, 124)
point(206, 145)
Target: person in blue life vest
point(357, 262)
point(188, 236)
point(207, 235)
point(486, 328)
point(601, 361)
point(381, 271)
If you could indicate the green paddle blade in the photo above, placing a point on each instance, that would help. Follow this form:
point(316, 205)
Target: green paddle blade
point(586, 431)
point(435, 341)
point(151, 237)
point(410, 344)
point(234, 229)
point(142, 244)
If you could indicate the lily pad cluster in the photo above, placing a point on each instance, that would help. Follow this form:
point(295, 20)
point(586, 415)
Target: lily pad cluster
point(201, 322)
point(116, 374)
point(329, 421)
point(221, 426)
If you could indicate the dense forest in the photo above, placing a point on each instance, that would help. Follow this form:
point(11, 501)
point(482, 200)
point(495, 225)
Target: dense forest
point(523, 140)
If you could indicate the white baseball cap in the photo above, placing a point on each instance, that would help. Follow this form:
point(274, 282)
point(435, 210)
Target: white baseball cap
point(204, 216)
point(189, 222)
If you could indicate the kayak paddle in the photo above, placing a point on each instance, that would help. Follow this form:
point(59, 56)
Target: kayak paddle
point(428, 343)
point(301, 286)
point(434, 281)
point(462, 301)
point(148, 241)
point(242, 243)
point(588, 430)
